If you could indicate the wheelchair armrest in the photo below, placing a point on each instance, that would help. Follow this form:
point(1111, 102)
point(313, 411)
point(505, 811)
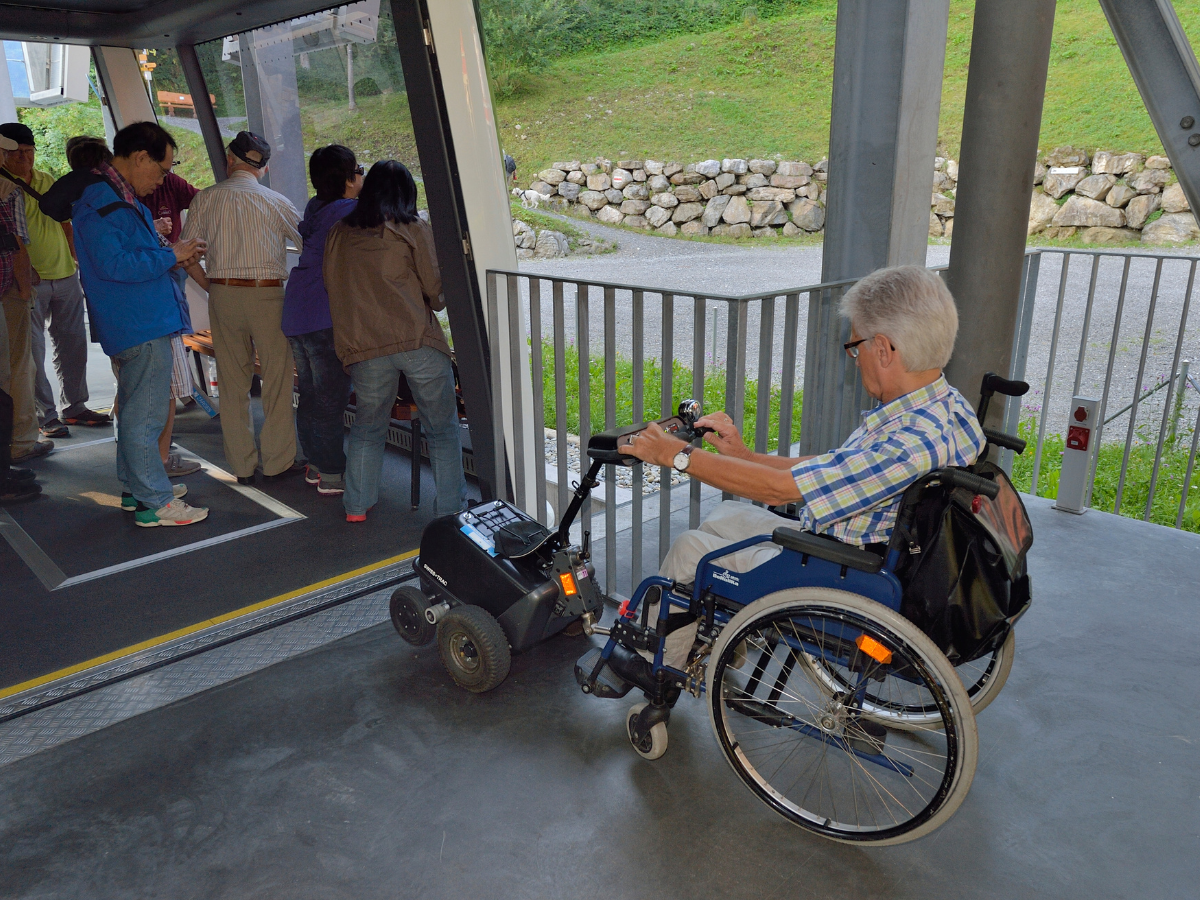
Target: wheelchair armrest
point(824, 548)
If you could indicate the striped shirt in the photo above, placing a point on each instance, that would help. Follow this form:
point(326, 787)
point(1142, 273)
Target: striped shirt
point(247, 227)
point(853, 493)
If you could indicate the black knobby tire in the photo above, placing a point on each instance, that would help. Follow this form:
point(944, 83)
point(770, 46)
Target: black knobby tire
point(474, 648)
point(408, 616)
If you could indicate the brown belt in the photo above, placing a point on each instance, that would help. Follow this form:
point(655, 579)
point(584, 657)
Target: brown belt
point(247, 282)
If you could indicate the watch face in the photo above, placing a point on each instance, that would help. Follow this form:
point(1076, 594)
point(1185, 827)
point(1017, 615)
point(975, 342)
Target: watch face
point(681, 461)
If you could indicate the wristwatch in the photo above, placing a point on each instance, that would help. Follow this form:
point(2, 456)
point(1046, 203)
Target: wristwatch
point(682, 459)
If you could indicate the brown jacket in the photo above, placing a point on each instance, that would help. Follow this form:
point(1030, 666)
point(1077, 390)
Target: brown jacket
point(384, 285)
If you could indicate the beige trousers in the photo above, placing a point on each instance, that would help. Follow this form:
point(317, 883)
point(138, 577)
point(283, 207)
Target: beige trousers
point(18, 316)
point(244, 320)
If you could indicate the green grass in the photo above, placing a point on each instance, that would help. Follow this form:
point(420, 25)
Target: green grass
point(1167, 492)
point(681, 388)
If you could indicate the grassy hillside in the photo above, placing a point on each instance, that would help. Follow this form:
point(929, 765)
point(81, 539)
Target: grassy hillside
point(763, 88)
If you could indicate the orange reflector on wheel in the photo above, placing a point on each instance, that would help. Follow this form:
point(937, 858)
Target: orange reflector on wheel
point(568, 583)
point(873, 649)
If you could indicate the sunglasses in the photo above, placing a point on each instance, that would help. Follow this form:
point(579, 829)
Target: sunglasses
point(359, 170)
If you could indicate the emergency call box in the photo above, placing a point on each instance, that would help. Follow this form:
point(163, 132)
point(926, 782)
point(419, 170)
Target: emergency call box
point(1079, 455)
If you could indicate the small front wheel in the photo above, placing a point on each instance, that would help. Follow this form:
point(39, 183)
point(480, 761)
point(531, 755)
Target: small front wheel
point(651, 745)
point(474, 649)
point(408, 616)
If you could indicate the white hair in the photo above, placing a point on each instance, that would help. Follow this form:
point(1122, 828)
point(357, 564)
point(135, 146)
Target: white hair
point(911, 306)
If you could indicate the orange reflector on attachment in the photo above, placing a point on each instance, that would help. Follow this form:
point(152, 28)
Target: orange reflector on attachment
point(568, 583)
point(873, 649)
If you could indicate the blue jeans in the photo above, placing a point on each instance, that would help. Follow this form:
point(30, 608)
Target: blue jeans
point(143, 393)
point(431, 378)
point(324, 390)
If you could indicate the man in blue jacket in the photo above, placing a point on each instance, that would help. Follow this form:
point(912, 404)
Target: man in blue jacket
point(135, 308)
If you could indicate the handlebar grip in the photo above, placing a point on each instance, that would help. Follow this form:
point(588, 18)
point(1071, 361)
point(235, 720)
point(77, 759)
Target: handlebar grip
point(994, 384)
point(1000, 439)
point(972, 483)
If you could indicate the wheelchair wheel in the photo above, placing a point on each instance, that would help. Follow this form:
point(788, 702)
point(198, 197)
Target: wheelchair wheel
point(651, 746)
point(811, 746)
point(984, 677)
point(407, 609)
point(473, 648)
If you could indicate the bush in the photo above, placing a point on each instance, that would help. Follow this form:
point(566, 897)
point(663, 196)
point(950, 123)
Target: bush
point(366, 87)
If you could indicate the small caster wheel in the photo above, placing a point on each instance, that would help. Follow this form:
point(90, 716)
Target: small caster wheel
point(474, 648)
point(408, 616)
point(652, 745)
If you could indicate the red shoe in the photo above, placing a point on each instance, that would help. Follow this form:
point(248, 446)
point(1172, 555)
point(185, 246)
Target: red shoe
point(350, 517)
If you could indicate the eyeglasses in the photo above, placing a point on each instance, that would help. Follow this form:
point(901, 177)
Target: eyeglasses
point(166, 171)
point(851, 348)
point(359, 170)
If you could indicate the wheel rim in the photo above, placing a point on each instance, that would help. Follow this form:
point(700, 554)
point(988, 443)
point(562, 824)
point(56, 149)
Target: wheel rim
point(464, 653)
point(820, 756)
point(409, 619)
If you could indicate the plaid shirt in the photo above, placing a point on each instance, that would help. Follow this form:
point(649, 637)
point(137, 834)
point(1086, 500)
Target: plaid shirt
point(12, 221)
point(853, 493)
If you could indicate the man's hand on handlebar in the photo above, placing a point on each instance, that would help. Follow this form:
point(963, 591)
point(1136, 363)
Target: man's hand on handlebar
point(723, 435)
point(654, 446)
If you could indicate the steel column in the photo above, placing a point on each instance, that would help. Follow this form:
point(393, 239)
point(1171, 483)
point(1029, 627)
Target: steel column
point(1006, 84)
point(205, 114)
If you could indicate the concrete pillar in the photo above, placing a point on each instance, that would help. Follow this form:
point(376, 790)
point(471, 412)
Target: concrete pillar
point(887, 88)
point(1006, 84)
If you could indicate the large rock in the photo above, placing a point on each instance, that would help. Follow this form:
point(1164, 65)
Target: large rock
point(1061, 179)
point(685, 212)
point(710, 168)
point(739, 230)
point(789, 181)
point(1174, 200)
point(1120, 195)
point(752, 180)
point(735, 190)
point(1174, 228)
point(1148, 181)
point(734, 166)
point(1042, 211)
point(1067, 156)
point(737, 211)
point(590, 169)
point(762, 167)
point(771, 193)
point(952, 169)
point(670, 169)
point(577, 177)
point(593, 200)
point(715, 231)
point(687, 178)
point(794, 169)
point(635, 207)
point(599, 182)
point(943, 205)
point(636, 222)
point(686, 193)
point(708, 189)
point(935, 225)
point(790, 229)
point(1139, 208)
point(1108, 235)
point(693, 228)
point(715, 209)
point(572, 166)
point(653, 167)
point(1095, 187)
point(764, 231)
point(610, 215)
point(1039, 172)
point(636, 191)
point(630, 164)
point(657, 215)
point(523, 235)
point(570, 191)
point(942, 182)
point(1106, 163)
point(614, 196)
point(764, 213)
point(552, 176)
point(640, 175)
point(558, 204)
point(551, 244)
point(724, 180)
point(1080, 212)
point(658, 183)
point(666, 200)
point(1158, 162)
point(543, 187)
point(808, 214)
point(621, 178)
point(670, 229)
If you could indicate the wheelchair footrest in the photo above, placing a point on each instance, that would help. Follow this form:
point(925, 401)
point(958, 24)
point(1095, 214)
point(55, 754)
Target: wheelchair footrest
point(609, 684)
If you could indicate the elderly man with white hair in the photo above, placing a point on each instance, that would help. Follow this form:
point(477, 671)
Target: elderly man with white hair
point(903, 323)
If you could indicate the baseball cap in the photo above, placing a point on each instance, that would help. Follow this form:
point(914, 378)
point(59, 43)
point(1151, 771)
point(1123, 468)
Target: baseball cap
point(250, 149)
point(18, 132)
point(7, 143)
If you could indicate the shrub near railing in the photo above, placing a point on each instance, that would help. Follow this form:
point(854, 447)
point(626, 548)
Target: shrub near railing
point(681, 389)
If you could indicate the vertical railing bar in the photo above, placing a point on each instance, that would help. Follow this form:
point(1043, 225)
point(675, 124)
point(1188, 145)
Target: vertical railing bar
point(664, 472)
point(493, 313)
point(582, 326)
point(560, 398)
point(766, 343)
point(515, 373)
point(639, 400)
point(610, 421)
point(1037, 453)
point(699, 342)
point(1112, 358)
point(539, 398)
point(735, 368)
point(1087, 324)
point(1187, 478)
point(1137, 387)
point(1166, 417)
point(787, 384)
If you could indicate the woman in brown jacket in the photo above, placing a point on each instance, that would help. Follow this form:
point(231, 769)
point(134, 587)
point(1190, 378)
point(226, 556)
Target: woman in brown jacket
point(382, 276)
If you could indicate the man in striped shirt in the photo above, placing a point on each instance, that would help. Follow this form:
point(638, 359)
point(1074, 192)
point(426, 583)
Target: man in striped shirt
point(902, 328)
point(248, 228)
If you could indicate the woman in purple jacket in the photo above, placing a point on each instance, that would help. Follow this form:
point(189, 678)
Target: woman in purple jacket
point(324, 385)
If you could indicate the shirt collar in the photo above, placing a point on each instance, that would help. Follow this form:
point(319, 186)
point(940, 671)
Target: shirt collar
point(920, 398)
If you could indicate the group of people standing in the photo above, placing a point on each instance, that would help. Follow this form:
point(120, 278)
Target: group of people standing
point(356, 312)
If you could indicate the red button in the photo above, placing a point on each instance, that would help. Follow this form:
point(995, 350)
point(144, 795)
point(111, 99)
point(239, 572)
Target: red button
point(1080, 414)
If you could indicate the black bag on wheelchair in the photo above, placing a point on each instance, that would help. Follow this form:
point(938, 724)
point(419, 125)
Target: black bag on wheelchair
point(963, 566)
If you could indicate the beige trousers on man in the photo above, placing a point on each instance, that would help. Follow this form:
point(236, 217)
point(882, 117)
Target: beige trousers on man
point(17, 315)
point(246, 319)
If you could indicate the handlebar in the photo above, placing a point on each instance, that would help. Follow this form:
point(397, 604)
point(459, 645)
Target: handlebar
point(1007, 441)
point(606, 447)
point(967, 481)
point(994, 384)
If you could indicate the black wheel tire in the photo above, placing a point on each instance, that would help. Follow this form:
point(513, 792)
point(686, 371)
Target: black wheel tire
point(408, 616)
point(474, 648)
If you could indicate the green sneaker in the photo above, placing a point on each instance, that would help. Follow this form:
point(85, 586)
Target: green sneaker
point(129, 504)
point(174, 513)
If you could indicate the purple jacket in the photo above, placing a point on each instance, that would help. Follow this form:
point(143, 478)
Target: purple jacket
point(305, 301)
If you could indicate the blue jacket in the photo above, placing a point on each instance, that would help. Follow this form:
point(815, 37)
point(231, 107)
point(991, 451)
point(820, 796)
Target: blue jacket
point(125, 272)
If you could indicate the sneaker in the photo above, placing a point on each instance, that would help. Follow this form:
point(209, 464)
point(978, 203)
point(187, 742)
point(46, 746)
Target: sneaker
point(16, 474)
point(55, 429)
point(40, 448)
point(331, 485)
point(311, 475)
point(15, 491)
point(129, 504)
point(174, 513)
point(90, 418)
point(356, 517)
point(178, 465)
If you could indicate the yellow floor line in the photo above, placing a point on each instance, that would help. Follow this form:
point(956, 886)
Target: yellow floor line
point(199, 626)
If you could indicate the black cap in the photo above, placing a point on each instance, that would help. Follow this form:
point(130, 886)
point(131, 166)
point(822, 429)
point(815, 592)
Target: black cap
point(250, 149)
point(17, 132)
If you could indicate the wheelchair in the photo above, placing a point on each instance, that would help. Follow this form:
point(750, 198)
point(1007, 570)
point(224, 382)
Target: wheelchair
point(841, 694)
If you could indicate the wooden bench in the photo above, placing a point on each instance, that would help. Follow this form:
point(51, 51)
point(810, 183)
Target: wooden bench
point(169, 101)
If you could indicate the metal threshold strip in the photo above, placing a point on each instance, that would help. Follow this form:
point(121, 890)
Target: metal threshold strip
point(187, 642)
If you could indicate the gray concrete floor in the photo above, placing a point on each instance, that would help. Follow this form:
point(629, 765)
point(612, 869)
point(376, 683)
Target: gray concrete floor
point(359, 770)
